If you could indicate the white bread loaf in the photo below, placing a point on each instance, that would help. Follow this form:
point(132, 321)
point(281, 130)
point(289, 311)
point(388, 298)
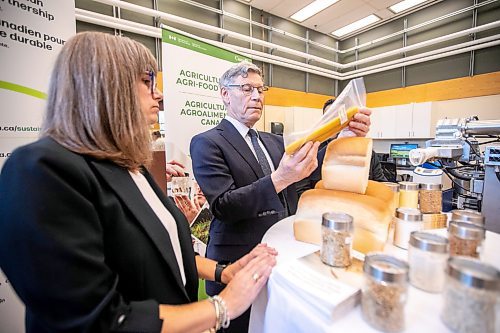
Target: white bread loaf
point(374, 189)
point(371, 216)
point(347, 164)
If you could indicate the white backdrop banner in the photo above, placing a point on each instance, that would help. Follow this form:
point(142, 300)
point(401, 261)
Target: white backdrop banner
point(191, 71)
point(31, 34)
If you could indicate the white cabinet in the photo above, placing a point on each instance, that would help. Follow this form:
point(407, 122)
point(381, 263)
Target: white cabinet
point(383, 125)
point(403, 121)
point(407, 121)
point(424, 120)
point(387, 123)
point(375, 124)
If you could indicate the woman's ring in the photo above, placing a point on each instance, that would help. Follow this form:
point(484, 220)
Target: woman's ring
point(255, 276)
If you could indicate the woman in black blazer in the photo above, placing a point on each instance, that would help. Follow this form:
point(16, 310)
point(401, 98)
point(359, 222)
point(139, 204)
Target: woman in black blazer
point(87, 239)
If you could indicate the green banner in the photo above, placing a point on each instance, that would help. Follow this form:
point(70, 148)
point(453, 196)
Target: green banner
point(189, 43)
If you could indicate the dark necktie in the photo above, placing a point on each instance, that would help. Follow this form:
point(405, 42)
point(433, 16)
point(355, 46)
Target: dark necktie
point(264, 164)
point(261, 157)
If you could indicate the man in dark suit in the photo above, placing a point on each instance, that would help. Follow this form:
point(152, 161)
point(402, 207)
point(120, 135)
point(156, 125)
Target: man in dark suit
point(245, 175)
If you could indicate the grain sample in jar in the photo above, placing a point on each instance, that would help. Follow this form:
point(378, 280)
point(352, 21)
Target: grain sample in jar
point(337, 233)
point(384, 292)
point(395, 189)
point(427, 258)
point(471, 296)
point(408, 195)
point(465, 239)
point(467, 215)
point(435, 221)
point(407, 220)
point(430, 198)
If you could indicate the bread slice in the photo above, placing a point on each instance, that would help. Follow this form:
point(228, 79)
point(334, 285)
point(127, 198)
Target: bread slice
point(347, 164)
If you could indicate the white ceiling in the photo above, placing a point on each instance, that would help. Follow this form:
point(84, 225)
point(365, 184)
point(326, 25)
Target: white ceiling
point(336, 16)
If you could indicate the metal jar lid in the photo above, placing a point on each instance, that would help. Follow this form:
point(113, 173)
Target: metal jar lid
point(466, 230)
point(409, 214)
point(431, 187)
point(337, 221)
point(386, 268)
point(473, 273)
point(429, 242)
point(467, 215)
point(393, 186)
point(408, 186)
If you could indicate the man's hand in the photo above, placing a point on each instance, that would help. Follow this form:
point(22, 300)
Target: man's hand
point(359, 125)
point(174, 169)
point(298, 166)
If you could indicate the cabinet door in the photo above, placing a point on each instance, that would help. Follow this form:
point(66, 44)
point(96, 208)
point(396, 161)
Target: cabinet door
point(388, 122)
point(376, 121)
point(424, 123)
point(403, 118)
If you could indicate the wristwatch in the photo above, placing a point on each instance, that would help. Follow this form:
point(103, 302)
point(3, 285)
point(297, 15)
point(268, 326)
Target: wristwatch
point(218, 272)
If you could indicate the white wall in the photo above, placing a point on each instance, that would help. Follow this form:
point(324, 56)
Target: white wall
point(485, 107)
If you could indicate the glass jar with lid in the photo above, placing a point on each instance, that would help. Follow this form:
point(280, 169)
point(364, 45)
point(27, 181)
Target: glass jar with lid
point(435, 221)
point(395, 189)
point(408, 195)
point(384, 292)
point(430, 198)
point(471, 296)
point(337, 234)
point(427, 258)
point(465, 239)
point(407, 220)
point(467, 215)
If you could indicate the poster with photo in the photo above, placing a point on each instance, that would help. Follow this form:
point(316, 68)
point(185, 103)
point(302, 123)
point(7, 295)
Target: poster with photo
point(191, 69)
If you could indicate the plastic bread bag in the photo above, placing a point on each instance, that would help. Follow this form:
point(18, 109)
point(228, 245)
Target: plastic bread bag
point(336, 118)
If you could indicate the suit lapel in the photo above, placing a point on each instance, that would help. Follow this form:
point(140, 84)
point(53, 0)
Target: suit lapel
point(184, 234)
point(233, 137)
point(274, 151)
point(125, 188)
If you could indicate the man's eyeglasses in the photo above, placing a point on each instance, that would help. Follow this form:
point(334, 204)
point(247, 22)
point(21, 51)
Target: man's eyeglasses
point(152, 81)
point(247, 88)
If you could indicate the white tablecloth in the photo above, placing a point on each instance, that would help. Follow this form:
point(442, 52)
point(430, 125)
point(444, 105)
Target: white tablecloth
point(276, 309)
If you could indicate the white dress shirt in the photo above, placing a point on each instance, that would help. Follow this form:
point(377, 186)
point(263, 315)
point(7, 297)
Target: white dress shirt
point(163, 214)
point(243, 130)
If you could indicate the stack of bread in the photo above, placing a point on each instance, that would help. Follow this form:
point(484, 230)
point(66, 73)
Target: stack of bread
point(345, 188)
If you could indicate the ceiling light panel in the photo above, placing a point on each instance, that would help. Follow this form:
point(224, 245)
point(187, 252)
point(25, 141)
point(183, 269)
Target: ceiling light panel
point(404, 5)
point(356, 25)
point(312, 9)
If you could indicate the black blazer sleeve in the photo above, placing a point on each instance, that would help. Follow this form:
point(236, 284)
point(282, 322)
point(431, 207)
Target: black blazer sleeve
point(52, 247)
